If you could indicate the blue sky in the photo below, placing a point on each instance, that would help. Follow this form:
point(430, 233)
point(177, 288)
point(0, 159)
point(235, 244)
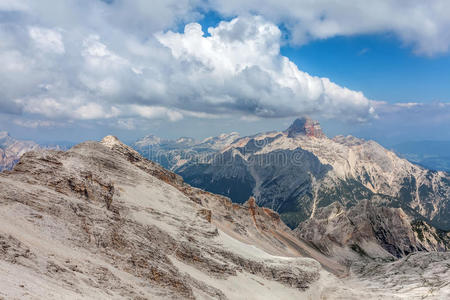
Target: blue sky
point(84, 69)
point(379, 65)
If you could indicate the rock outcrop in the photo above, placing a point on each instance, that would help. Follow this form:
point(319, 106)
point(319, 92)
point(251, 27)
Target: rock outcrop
point(402, 277)
point(368, 231)
point(305, 126)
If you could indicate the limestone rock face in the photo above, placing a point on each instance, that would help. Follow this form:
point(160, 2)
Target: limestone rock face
point(305, 126)
point(403, 275)
point(369, 231)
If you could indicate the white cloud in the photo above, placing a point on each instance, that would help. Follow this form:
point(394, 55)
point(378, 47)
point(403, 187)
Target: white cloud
point(47, 39)
point(68, 108)
point(239, 68)
point(236, 71)
point(13, 61)
point(34, 123)
point(128, 124)
point(12, 5)
point(422, 24)
point(156, 112)
point(91, 111)
point(408, 104)
point(414, 112)
point(108, 67)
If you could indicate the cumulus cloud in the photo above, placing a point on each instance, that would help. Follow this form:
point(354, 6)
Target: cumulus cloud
point(238, 67)
point(421, 24)
point(83, 73)
point(156, 112)
point(122, 63)
point(12, 5)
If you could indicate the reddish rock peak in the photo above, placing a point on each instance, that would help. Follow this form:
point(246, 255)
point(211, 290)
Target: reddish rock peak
point(305, 126)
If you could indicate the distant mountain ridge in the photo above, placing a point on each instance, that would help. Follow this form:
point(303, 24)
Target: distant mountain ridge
point(300, 172)
point(11, 150)
point(171, 154)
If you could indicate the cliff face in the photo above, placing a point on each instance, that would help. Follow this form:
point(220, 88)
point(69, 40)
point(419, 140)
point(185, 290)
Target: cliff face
point(305, 126)
point(368, 231)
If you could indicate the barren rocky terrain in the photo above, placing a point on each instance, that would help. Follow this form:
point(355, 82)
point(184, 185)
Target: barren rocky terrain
point(101, 222)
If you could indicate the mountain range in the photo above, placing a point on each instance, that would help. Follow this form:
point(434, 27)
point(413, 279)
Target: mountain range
point(11, 150)
point(302, 166)
point(302, 214)
point(305, 176)
point(100, 221)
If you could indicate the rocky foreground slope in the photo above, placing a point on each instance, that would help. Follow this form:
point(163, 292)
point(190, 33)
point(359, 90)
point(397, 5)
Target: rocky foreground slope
point(101, 222)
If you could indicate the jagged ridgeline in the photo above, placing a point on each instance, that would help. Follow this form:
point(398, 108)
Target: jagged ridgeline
point(101, 222)
point(299, 170)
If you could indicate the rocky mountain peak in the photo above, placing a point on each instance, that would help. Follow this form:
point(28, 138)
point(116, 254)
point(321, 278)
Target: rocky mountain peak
point(149, 140)
point(305, 126)
point(114, 202)
point(100, 217)
point(115, 144)
point(111, 140)
point(188, 141)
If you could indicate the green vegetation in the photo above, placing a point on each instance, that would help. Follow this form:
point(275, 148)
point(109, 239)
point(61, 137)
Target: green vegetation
point(349, 192)
point(293, 218)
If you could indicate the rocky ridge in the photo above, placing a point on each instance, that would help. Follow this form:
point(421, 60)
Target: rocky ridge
point(99, 222)
point(366, 231)
point(300, 172)
point(300, 169)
